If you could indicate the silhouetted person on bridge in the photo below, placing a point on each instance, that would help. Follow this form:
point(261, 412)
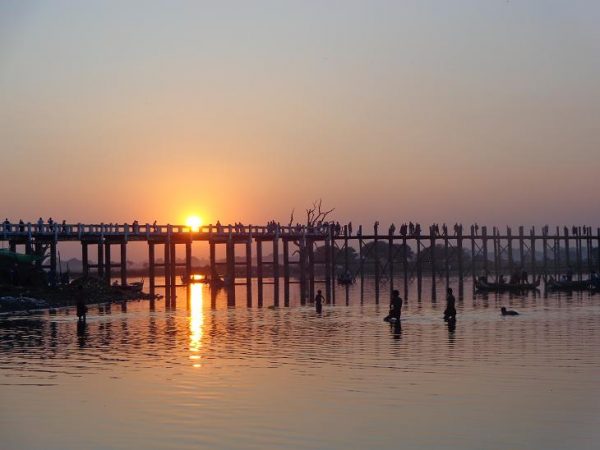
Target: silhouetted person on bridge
point(450, 311)
point(319, 302)
point(395, 307)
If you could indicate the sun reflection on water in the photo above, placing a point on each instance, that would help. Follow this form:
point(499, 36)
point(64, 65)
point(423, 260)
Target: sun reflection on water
point(196, 323)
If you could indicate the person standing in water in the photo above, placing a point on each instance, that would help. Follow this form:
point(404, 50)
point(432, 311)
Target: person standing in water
point(319, 302)
point(395, 307)
point(450, 312)
point(81, 307)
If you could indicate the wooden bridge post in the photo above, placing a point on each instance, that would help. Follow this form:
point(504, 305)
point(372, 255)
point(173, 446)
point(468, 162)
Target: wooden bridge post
point(376, 259)
point(332, 259)
point(578, 251)
point(123, 264)
point(151, 268)
point(328, 266)
point(346, 251)
point(532, 250)
point(598, 249)
point(557, 267)
point(390, 257)
point(473, 254)
point(361, 256)
point(84, 259)
point(276, 268)
point(545, 251)
point(173, 274)
point(567, 248)
point(259, 270)
point(522, 247)
point(432, 231)
point(188, 260)
point(311, 270)
point(446, 257)
point(302, 264)
point(230, 258)
point(214, 273)
point(100, 265)
point(107, 262)
point(167, 272)
point(249, 270)
point(511, 262)
point(496, 244)
point(419, 262)
point(460, 257)
point(588, 246)
point(405, 265)
point(286, 272)
point(484, 239)
point(53, 264)
point(12, 246)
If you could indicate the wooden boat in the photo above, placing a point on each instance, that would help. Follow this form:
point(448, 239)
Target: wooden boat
point(135, 286)
point(556, 285)
point(482, 285)
point(194, 278)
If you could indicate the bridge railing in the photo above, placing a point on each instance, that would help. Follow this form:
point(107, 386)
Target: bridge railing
point(79, 230)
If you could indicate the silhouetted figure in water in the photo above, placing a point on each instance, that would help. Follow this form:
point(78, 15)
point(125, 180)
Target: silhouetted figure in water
point(451, 325)
point(508, 312)
point(319, 302)
point(396, 328)
point(395, 307)
point(450, 311)
point(81, 307)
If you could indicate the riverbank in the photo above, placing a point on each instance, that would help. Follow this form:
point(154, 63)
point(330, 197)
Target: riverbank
point(25, 298)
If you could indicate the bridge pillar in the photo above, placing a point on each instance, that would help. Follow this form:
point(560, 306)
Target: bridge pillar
point(100, 264)
point(167, 272)
point(286, 272)
point(151, 268)
point(327, 268)
point(188, 260)
point(84, 259)
point(123, 264)
point(311, 270)
point(276, 269)
point(107, 262)
point(230, 257)
point(53, 276)
point(173, 272)
point(213, 262)
point(249, 272)
point(259, 271)
point(12, 246)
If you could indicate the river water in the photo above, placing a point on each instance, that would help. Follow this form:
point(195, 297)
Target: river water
point(213, 375)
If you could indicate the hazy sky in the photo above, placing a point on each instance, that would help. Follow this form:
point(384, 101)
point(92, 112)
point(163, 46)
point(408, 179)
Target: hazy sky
point(483, 111)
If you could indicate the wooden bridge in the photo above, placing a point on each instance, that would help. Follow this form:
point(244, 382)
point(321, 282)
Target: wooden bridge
point(385, 257)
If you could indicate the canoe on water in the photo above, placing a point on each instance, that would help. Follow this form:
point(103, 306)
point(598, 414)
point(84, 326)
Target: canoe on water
point(482, 285)
point(555, 285)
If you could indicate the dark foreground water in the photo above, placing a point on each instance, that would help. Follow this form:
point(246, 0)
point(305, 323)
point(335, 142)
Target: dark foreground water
point(211, 376)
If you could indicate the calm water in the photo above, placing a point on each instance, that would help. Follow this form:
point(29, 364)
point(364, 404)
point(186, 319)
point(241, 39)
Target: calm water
point(212, 376)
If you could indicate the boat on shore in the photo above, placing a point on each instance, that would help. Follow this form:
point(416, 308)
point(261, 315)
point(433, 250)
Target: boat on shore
point(483, 285)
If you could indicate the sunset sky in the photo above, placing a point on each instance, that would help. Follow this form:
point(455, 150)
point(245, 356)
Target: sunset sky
point(430, 111)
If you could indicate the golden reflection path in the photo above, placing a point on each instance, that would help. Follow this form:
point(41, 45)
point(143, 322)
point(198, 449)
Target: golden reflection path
point(196, 323)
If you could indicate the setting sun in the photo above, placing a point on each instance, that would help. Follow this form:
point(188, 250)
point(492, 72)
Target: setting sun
point(194, 222)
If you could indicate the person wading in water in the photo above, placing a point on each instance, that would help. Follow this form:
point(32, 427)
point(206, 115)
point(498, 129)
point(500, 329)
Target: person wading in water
point(81, 307)
point(319, 302)
point(395, 307)
point(450, 312)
